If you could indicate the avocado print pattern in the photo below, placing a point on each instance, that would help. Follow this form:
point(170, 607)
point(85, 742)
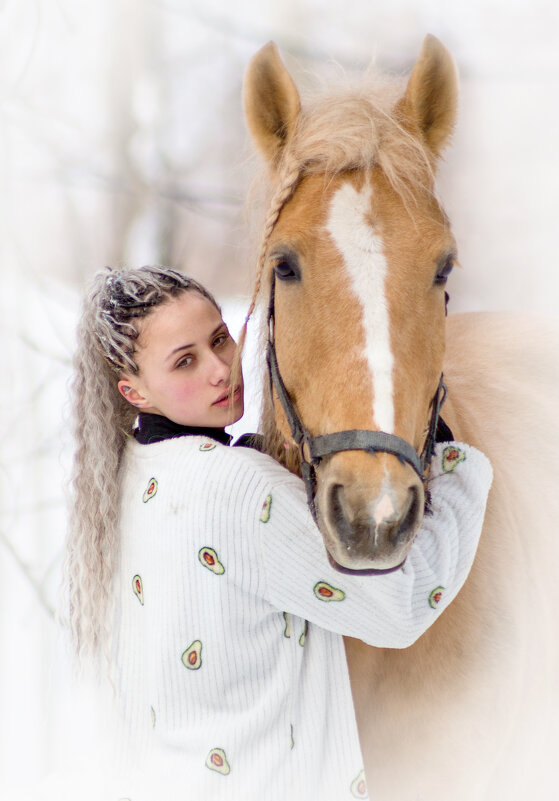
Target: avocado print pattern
point(150, 491)
point(138, 588)
point(192, 657)
point(325, 592)
point(435, 597)
point(451, 457)
point(216, 760)
point(303, 637)
point(287, 629)
point(207, 446)
point(266, 509)
point(359, 786)
point(208, 558)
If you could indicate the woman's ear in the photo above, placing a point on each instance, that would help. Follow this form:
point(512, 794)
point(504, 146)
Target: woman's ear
point(131, 393)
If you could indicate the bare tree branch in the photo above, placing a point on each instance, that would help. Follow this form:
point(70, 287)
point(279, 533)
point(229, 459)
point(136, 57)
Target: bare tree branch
point(28, 573)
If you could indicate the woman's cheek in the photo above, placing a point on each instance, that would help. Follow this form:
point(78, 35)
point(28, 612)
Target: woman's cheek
point(187, 391)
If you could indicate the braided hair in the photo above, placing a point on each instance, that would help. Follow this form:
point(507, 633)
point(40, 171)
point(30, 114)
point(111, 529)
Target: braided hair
point(103, 420)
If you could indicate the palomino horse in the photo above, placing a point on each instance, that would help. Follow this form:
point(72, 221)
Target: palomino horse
point(360, 251)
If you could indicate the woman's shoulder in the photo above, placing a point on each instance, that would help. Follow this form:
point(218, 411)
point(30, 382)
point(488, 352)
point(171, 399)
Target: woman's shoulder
point(201, 452)
point(253, 462)
point(241, 480)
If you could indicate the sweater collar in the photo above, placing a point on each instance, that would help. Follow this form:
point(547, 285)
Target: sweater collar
point(156, 428)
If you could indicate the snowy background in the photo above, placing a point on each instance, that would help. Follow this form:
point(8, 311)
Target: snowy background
point(122, 142)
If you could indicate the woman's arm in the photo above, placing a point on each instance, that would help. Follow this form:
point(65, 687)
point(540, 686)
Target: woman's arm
point(390, 610)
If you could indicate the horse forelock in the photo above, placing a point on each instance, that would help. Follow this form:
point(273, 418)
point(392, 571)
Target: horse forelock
point(356, 129)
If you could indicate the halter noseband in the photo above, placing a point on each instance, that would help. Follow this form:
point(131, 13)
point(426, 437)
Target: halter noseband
point(313, 449)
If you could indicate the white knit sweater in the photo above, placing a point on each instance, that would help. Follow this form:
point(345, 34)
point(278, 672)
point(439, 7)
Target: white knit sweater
point(226, 691)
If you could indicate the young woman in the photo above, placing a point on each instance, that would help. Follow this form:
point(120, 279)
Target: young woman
point(197, 567)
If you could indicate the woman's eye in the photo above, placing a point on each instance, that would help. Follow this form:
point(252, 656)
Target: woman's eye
point(287, 271)
point(220, 339)
point(444, 272)
point(185, 362)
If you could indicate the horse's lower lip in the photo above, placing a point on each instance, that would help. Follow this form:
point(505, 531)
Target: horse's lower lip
point(340, 568)
point(366, 571)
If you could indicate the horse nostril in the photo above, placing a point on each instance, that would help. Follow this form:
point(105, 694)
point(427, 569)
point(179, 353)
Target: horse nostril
point(338, 517)
point(399, 529)
point(352, 532)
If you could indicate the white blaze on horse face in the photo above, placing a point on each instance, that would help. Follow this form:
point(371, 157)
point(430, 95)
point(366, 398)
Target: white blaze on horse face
point(384, 509)
point(366, 265)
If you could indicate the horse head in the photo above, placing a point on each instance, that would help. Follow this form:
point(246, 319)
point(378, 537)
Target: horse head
point(360, 250)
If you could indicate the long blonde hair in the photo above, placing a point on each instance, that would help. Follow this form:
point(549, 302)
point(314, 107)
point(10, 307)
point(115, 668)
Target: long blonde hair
point(103, 421)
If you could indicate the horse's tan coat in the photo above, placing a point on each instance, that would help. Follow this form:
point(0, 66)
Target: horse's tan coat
point(470, 711)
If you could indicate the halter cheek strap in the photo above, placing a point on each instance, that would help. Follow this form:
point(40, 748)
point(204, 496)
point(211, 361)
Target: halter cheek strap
point(313, 449)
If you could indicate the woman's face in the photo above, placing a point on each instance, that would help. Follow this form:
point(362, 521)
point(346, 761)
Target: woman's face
point(184, 354)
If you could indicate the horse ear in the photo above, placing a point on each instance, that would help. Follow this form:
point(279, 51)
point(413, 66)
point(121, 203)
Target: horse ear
point(271, 102)
point(432, 94)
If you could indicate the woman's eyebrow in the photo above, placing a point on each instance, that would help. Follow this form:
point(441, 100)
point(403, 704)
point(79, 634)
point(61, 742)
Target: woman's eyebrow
point(180, 347)
point(193, 344)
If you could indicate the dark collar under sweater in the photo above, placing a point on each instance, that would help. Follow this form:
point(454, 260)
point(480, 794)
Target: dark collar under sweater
point(156, 428)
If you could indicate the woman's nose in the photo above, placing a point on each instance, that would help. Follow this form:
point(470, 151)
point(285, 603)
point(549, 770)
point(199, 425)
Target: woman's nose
point(219, 370)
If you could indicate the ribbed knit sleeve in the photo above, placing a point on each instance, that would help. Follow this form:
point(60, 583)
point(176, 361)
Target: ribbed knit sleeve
point(390, 610)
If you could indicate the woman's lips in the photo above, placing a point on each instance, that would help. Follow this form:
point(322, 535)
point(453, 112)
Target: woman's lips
point(227, 397)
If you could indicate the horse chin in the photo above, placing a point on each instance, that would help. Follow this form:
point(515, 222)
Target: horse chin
point(364, 567)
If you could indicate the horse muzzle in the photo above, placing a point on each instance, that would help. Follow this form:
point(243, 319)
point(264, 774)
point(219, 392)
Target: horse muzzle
point(368, 521)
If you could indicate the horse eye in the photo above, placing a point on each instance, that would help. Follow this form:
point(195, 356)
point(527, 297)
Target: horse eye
point(287, 270)
point(444, 272)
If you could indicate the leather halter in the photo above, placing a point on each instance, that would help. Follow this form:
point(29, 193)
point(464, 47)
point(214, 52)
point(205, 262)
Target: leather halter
point(313, 449)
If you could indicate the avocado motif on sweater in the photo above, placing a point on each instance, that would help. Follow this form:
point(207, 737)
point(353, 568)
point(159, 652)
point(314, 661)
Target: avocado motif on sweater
point(266, 509)
point(303, 637)
point(451, 457)
point(287, 629)
point(207, 446)
point(208, 557)
point(192, 657)
point(138, 588)
point(435, 597)
point(359, 786)
point(216, 760)
point(150, 490)
point(325, 592)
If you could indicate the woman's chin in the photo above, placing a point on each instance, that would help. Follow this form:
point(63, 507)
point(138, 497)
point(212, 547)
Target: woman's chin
point(236, 414)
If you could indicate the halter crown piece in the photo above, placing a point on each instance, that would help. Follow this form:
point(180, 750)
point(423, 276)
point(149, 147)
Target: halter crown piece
point(313, 449)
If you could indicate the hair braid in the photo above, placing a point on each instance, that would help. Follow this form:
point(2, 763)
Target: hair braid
point(290, 175)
